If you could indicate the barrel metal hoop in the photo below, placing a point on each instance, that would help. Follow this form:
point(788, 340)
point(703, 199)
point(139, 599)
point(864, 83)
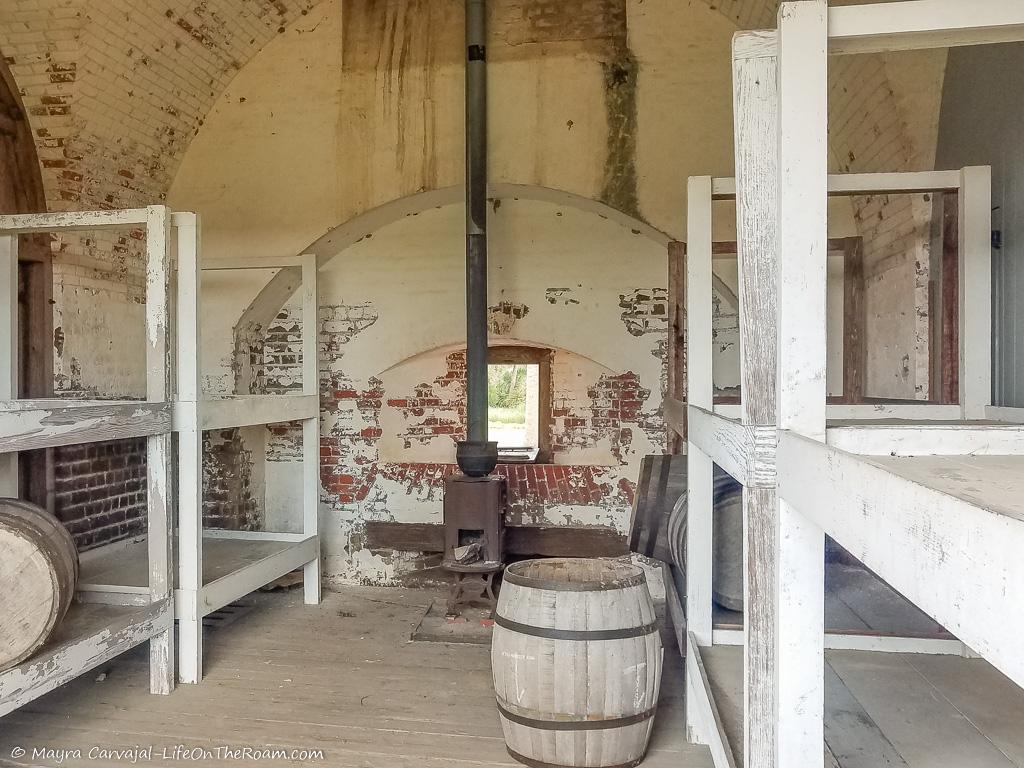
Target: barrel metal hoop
point(529, 761)
point(550, 633)
point(636, 580)
point(576, 725)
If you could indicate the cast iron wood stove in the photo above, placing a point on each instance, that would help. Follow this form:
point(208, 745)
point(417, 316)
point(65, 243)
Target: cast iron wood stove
point(474, 537)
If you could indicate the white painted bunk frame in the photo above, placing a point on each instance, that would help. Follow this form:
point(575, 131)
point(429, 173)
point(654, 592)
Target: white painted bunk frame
point(195, 413)
point(93, 634)
point(957, 560)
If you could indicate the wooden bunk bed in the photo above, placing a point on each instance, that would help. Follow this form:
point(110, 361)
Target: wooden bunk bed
point(93, 633)
point(929, 496)
point(216, 567)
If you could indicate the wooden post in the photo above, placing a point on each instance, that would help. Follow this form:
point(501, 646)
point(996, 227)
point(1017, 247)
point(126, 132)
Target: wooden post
point(975, 238)
point(158, 447)
point(310, 427)
point(8, 349)
point(676, 351)
point(949, 304)
point(700, 392)
point(190, 451)
point(802, 285)
point(755, 110)
point(855, 349)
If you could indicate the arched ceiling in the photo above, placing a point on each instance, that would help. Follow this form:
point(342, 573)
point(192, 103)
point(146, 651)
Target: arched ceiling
point(116, 90)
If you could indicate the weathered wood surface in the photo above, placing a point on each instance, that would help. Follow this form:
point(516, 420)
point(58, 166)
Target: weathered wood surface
point(944, 531)
point(797, 584)
point(676, 353)
point(89, 636)
point(72, 221)
point(927, 439)
point(38, 572)
point(895, 710)
point(923, 24)
point(540, 541)
point(662, 481)
point(576, 657)
point(855, 318)
point(342, 677)
point(28, 428)
point(750, 445)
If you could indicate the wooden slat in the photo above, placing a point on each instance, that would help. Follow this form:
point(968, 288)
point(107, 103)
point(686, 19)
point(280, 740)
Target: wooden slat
point(855, 317)
point(539, 541)
point(916, 24)
point(72, 221)
point(946, 532)
point(949, 347)
point(69, 424)
point(676, 361)
point(975, 238)
point(798, 584)
point(89, 636)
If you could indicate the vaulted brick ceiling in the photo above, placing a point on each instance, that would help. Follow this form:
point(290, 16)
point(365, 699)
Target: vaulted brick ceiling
point(116, 89)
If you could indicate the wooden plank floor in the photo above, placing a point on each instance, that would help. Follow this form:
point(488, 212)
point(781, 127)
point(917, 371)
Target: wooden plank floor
point(897, 710)
point(342, 677)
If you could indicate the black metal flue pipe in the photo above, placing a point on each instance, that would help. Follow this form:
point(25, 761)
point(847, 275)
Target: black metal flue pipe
point(476, 220)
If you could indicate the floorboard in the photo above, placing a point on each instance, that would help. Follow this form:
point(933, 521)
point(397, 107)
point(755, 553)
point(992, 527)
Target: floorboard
point(343, 677)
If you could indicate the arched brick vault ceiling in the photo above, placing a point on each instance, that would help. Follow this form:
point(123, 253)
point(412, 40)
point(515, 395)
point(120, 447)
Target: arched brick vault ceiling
point(116, 89)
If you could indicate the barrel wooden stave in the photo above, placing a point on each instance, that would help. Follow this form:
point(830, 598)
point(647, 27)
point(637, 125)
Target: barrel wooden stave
point(38, 574)
point(561, 682)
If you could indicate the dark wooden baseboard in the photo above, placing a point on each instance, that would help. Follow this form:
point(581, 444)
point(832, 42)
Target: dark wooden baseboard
point(539, 541)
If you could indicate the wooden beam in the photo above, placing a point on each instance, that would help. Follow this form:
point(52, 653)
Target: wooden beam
point(676, 361)
point(76, 221)
point(849, 184)
point(700, 393)
point(538, 541)
point(975, 238)
point(915, 24)
point(798, 597)
point(855, 318)
point(936, 528)
point(756, 110)
point(949, 303)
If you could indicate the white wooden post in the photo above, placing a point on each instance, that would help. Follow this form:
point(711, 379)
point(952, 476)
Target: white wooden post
point(975, 291)
point(190, 453)
point(310, 427)
point(803, 211)
point(158, 447)
point(9, 337)
point(700, 392)
point(755, 113)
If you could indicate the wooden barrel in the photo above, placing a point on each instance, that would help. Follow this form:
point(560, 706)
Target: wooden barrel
point(38, 573)
point(576, 658)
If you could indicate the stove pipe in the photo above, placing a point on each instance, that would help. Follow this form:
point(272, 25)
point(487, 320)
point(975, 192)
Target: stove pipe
point(476, 240)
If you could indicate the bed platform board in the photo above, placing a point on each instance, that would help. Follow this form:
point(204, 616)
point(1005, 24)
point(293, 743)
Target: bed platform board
point(894, 710)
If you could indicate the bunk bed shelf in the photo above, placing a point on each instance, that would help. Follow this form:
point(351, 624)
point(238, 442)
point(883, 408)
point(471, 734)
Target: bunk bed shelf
point(234, 563)
point(89, 636)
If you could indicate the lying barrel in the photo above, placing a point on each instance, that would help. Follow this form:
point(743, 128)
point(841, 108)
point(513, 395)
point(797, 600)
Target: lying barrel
point(38, 573)
point(727, 579)
point(576, 658)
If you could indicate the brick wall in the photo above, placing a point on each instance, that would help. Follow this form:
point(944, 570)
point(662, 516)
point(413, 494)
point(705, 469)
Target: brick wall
point(100, 490)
